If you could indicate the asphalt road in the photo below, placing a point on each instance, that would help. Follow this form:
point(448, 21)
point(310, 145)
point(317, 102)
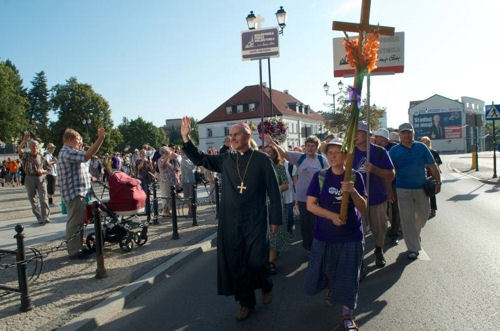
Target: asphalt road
point(454, 285)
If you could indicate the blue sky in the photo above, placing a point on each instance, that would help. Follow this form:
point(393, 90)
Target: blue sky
point(166, 59)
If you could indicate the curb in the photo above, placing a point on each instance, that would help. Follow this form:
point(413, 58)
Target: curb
point(492, 181)
point(114, 304)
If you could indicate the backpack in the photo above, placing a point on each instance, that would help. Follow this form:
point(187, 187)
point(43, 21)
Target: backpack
point(322, 175)
point(303, 157)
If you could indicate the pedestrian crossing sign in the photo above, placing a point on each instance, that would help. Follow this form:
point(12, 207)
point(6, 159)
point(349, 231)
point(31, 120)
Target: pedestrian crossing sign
point(493, 112)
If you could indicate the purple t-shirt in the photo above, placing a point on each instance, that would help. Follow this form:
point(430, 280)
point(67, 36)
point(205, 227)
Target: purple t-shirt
point(380, 158)
point(330, 198)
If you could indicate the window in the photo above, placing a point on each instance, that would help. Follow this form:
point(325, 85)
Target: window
point(251, 107)
point(209, 132)
point(239, 109)
point(229, 110)
point(226, 131)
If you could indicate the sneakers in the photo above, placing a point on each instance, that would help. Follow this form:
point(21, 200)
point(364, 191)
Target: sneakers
point(379, 257)
point(413, 255)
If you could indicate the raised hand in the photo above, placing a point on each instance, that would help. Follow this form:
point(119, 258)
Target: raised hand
point(185, 128)
point(101, 132)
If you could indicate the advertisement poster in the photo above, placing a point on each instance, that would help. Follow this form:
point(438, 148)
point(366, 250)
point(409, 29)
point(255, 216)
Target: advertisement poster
point(443, 125)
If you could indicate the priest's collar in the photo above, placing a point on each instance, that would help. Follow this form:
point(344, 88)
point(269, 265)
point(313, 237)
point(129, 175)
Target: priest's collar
point(249, 150)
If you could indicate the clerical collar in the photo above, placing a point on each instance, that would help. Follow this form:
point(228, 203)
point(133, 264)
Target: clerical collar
point(246, 152)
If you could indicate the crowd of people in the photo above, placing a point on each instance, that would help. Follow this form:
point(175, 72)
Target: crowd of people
point(264, 190)
point(262, 195)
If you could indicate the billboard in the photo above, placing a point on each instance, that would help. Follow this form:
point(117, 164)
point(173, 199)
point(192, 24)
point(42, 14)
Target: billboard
point(390, 56)
point(260, 44)
point(442, 125)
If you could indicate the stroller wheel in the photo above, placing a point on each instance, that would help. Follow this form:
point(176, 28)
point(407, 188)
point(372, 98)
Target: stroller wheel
point(138, 240)
point(90, 241)
point(127, 243)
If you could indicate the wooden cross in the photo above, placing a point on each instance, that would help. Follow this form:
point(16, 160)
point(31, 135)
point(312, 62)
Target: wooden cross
point(364, 25)
point(362, 28)
point(241, 187)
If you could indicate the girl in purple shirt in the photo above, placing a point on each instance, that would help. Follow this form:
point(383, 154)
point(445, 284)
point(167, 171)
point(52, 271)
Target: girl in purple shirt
point(337, 248)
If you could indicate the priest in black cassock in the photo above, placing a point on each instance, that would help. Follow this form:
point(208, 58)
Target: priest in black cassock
point(242, 242)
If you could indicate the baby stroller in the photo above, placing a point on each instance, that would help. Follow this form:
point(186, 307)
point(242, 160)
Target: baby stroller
point(120, 213)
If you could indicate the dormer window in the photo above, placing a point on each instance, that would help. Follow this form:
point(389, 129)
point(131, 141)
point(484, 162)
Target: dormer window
point(229, 110)
point(239, 109)
point(251, 107)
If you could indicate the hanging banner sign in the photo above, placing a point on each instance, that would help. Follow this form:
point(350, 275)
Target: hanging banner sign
point(390, 56)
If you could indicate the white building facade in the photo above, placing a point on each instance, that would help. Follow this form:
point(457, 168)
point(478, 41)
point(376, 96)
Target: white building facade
point(452, 125)
point(244, 107)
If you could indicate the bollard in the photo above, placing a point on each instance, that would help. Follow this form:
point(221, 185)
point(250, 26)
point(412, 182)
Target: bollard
point(99, 242)
point(175, 232)
point(148, 204)
point(21, 270)
point(155, 205)
point(193, 205)
point(216, 198)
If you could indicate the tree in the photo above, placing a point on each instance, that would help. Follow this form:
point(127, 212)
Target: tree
point(490, 138)
point(38, 113)
point(338, 122)
point(13, 103)
point(138, 132)
point(74, 102)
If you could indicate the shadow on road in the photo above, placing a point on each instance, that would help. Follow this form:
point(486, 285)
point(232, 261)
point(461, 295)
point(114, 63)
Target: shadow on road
point(376, 284)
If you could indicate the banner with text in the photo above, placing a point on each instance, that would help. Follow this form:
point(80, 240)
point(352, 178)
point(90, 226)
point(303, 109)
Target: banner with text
point(442, 125)
point(390, 56)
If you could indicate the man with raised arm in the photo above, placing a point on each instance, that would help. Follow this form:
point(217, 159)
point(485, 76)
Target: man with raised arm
point(242, 243)
point(74, 181)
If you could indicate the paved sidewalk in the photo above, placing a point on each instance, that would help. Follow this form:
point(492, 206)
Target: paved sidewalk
point(462, 164)
point(66, 288)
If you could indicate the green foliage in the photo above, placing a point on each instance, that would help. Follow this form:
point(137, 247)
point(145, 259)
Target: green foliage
point(138, 132)
point(74, 102)
point(13, 103)
point(338, 122)
point(490, 138)
point(38, 113)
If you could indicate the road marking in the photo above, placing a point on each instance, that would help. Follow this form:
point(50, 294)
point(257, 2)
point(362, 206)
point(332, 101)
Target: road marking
point(422, 255)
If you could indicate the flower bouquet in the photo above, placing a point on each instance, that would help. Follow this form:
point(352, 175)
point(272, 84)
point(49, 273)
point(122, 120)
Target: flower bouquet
point(275, 127)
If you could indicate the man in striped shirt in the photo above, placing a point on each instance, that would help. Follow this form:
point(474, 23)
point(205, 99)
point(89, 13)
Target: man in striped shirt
point(74, 177)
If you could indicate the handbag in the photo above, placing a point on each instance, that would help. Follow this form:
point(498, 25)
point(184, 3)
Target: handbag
point(430, 186)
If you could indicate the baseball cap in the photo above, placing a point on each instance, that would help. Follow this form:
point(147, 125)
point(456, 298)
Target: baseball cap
point(336, 141)
point(382, 133)
point(405, 127)
point(362, 126)
point(394, 136)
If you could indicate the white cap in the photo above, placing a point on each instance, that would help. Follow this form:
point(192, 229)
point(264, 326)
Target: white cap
point(394, 136)
point(336, 141)
point(382, 133)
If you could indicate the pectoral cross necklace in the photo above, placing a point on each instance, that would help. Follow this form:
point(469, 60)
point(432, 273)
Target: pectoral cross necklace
point(242, 186)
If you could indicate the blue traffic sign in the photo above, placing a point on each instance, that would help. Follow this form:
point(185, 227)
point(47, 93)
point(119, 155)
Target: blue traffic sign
point(493, 112)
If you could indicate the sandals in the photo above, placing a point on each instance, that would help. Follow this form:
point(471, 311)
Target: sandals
point(352, 326)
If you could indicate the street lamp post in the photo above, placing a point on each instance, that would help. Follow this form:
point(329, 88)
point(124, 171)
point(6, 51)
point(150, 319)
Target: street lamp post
point(86, 122)
point(254, 23)
point(326, 87)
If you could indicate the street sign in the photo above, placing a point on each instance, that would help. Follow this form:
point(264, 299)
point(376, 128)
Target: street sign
point(260, 44)
point(390, 56)
point(493, 112)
